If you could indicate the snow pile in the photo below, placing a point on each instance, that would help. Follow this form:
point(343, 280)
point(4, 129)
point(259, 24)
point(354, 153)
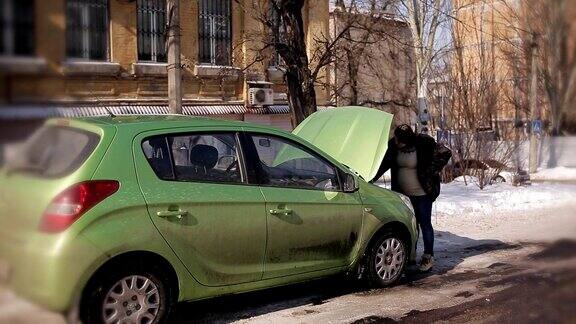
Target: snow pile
point(462, 207)
point(555, 174)
point(458, 199)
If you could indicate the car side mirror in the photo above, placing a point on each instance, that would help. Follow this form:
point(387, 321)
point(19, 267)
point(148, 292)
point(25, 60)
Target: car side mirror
point(349, 183)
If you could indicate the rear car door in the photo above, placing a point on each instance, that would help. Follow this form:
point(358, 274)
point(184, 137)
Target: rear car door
point(195, 187)
point(312, 224)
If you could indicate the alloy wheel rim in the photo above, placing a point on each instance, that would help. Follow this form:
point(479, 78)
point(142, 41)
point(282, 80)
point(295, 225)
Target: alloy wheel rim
point(390, 259)
point(133, 299)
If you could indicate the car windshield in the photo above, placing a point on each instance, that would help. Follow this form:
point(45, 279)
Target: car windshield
point(54, 151)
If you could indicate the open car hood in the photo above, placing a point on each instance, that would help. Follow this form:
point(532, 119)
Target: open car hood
point(355, 136)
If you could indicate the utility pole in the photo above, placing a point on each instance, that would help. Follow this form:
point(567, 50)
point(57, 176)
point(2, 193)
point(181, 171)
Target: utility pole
point(534, 111)
point(517, 121)
point(173, 50)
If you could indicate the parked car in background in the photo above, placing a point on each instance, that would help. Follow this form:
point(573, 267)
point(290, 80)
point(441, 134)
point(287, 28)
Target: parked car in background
point(492, 171)
point(121, 217)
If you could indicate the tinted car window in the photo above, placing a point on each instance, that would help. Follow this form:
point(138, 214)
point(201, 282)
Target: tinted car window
point(55, 151)
point(194, 157)
point(283, 164)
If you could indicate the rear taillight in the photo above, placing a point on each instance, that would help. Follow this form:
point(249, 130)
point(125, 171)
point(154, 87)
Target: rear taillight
point(73, 202)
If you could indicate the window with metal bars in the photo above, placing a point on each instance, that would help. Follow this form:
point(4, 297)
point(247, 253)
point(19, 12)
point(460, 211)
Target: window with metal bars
point(215, 32)
point(17, 28)
point(152, 30)
point(87, 29)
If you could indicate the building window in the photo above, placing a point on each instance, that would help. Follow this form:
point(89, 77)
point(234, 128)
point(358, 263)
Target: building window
point(17, 32)
point(87, 29)
point(214, 32)
point(151, 30)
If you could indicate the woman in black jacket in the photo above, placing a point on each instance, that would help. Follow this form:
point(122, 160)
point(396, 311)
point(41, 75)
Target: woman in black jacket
point(415, 161)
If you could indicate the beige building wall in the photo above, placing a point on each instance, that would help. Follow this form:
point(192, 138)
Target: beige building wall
point(489, 31)
point(52, 78)
point(385, 66)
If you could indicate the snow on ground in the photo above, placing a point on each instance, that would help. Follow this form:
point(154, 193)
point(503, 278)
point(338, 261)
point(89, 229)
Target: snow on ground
point(501, 209)
point(555, 174)
point(464, 208)
point(457, 198)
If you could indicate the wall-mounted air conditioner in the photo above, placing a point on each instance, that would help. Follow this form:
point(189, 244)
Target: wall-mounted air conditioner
point(260, 94)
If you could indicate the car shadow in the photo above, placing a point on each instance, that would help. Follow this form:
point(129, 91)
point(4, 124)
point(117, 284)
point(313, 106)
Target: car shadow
point(451, 250)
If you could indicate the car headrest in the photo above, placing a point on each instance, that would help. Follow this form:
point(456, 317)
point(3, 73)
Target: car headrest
point(204, 155)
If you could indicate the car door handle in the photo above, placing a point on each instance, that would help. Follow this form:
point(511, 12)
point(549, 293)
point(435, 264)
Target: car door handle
point(280, 211)
point(172, 213)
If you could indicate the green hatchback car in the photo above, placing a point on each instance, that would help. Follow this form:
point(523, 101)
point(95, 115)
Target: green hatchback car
point(115, 219)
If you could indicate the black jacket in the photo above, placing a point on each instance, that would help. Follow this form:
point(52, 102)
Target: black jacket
point(431, 159)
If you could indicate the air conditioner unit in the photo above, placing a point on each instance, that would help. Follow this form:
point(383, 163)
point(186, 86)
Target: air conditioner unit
point(260, 97)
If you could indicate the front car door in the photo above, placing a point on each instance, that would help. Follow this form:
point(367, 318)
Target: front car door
point(312, 224)
point(195, 187)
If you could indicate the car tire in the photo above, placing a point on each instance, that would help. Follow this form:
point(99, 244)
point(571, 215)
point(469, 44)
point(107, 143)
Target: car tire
point(385, 260)
point(131, 292)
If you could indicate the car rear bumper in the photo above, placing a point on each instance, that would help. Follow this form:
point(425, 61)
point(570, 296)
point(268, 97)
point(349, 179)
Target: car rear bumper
point(44, 271)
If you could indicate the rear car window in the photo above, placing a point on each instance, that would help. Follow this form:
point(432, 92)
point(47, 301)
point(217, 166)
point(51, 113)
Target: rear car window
point(55, 151)
point(194, 157)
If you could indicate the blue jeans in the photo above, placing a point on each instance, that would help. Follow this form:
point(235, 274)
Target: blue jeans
point(423, 210)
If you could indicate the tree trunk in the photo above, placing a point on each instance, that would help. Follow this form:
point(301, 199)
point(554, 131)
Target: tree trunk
point(301, 92)
point(353, 74)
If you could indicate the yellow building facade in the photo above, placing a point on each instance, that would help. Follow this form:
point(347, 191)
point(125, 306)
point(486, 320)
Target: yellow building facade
point(76, 56)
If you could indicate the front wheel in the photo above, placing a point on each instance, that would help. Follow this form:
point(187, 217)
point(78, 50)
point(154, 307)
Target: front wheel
point(385, 260)
point(127, 296)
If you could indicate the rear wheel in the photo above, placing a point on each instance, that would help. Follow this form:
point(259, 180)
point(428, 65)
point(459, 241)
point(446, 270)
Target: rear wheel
point(127, 295)
point(385, 260)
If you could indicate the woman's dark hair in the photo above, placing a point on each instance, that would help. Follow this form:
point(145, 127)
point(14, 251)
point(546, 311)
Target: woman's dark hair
point(405, 134)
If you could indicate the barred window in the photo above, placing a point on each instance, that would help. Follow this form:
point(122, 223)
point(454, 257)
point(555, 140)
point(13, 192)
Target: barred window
point(87, 29)
point(17, 28)
point(151, 30)
point(214, 32)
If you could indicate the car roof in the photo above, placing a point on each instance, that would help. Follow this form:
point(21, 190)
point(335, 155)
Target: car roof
point(140, 123)
point(162, 120)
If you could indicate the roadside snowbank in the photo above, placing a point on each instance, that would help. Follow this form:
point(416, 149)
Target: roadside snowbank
point(500, 207)
point(555, 174)
point(466, 208)
point(459, 199)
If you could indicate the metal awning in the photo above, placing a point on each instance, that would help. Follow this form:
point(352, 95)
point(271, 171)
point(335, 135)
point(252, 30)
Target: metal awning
point(18, 112)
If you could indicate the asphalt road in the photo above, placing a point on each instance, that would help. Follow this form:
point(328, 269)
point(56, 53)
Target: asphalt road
point(524, 272)
point(511, 283)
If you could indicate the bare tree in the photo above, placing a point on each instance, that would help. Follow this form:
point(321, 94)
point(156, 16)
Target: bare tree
point(425, 18)
point(303, 67)
point(359, 28)
point(373, 61)
point(475, 93)
point(540, 46)
point(549, 23)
